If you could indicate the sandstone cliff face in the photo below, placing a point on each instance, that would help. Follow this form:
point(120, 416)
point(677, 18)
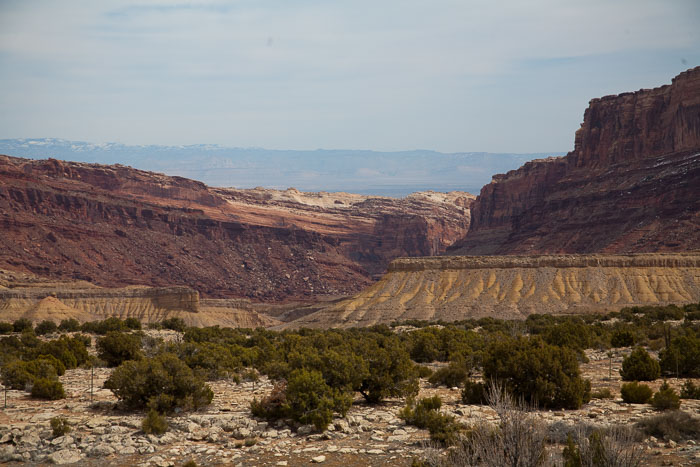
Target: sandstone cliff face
point(116, 226)
point(454, 288)
point(632, 183)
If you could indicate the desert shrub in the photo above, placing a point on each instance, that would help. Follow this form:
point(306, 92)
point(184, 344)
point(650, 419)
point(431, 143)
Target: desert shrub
point(311, 401)
point(675, 425)
point(635, 393)
point(666, 398)
point(69, 325)
point(16, 375)
point(59, 426)
point(45, 388)
point(175, 324)
point(58, 366)
point(424, 371)
point(71, 351)
point(571, 333)
point(690, 391)
point(452, 375)
point(212, 360)
point(6, 328)
point(425, 346)
point(45, 327)
point(474, 393)
point(682, 356)
point(273, 406)
point(390, 371)
point(541, 373)
point(305, 398)
point(154, 423)
point(190, 463)
point(603, 393)
point(132, 323)
point(622, 338)
point(518, 440)
point(617, 446)
point(117, 347)
point(163, 383)
point(640, 366)
point(104, 326)
point(21, 325)
point(426, 414)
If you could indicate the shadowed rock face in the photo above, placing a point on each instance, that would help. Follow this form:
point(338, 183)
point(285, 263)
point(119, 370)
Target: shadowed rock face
point(632, 183)
point(455, 288)
point(115, 226)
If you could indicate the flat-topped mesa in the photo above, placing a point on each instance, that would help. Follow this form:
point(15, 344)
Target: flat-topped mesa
point(510, 287)
point(631, 184)
point(638, 260)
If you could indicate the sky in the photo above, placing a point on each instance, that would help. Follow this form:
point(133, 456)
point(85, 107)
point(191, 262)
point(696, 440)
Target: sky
point(389, 75)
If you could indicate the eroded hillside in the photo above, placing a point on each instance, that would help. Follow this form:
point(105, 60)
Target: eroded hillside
point(117, 226)
point(509, 287)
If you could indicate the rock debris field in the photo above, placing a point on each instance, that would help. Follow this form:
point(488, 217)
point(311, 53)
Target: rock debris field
point(225, 433)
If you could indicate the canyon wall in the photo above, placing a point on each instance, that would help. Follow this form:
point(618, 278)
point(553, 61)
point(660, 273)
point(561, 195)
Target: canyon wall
point(510, 287)
point(632, 183)
point(115, 226)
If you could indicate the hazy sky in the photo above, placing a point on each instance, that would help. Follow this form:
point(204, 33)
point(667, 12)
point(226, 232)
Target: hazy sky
point(448, 75)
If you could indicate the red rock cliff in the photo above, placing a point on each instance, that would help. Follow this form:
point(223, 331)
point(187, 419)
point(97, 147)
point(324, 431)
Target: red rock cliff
point(115, 226)
point(632, 183)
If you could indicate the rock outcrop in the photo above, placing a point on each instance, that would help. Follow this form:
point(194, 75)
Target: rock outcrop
point(455, 288)
point(26, 296)
point(632, 183)
point(116, 226)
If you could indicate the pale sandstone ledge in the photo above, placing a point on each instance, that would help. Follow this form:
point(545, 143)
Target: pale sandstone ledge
point(509, 287)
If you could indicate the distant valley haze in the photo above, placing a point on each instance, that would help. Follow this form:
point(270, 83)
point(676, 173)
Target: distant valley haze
point(394, 174)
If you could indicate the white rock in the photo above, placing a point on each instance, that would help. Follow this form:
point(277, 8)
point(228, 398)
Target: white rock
point(318, 459)
point(65, 456)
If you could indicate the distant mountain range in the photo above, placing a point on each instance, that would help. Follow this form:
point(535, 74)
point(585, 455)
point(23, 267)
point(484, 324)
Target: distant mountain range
point(356, 171)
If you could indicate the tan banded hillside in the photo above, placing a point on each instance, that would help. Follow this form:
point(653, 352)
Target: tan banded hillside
point(454, 288)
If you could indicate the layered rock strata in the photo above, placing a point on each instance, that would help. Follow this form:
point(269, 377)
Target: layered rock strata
point(631, 184)
point(117, 226)
point(455, 288)
point(37, 300)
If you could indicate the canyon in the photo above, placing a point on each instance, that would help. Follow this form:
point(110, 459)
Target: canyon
point(115, 226)
point(631, 184)
point(512, 287)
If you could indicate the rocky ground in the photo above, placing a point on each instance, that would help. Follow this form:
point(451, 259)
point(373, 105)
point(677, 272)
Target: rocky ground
point(225, 432)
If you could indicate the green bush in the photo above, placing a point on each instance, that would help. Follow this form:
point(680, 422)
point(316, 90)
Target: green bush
point(154, 423)
point(6, 328)
point(389, 372)
point(59, 426)
point(635, 393)
point(117, 347)
point(666, 398)
point(69, 325)
point(622, 338)
point(603, 393)
point(474, 393)
point(44, 388)
point(163, 383)
point(132, 323)
point(682, 357)
point(540, 373)
point(305, 398)
point(640, 366)
point(45, 327)
point(175, 324)
point(424, 371)
point(674, 425)
point(426, 414)
point(311, 401)
point(690, 391)
point(21, 325)
point(17, 375)
point(451, 376)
